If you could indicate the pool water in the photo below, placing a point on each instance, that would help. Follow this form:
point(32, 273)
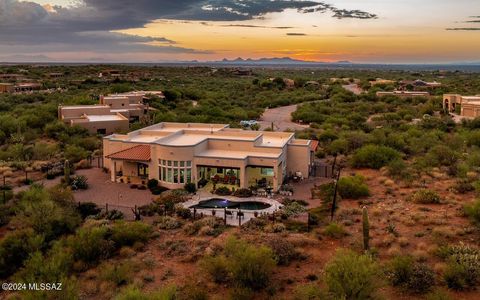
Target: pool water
point(223, 203)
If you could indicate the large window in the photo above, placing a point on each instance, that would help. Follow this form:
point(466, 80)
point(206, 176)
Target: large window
point(172, 171)
point(267, 171)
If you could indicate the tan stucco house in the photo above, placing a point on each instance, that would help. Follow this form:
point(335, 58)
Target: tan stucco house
point(179, 153)
point(466, 106)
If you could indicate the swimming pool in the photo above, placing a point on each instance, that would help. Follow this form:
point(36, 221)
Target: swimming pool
point(224, 203)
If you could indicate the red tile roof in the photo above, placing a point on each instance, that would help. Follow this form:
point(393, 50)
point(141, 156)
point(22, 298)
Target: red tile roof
point(137, 153)
point(314, 145)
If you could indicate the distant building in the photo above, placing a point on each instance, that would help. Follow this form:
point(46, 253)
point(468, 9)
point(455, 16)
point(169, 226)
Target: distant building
point(6, 88)
point(466, 106)
point(112, 114)
point(180, 153)
point(404, 94)
point(55, 75)
point(419, 84)
point(27, 87)
point(11, 77)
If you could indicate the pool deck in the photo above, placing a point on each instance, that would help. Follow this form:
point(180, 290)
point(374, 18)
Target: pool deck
point(233, 218)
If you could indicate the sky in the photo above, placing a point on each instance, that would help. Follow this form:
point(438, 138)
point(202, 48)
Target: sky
point(360, 31)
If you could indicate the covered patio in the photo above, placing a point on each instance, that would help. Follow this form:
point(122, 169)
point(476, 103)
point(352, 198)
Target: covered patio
point(131, 165)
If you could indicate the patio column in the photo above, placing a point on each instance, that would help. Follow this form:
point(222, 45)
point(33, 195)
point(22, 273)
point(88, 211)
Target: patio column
point(243, 177)
point(275, 177)
point(113, 170)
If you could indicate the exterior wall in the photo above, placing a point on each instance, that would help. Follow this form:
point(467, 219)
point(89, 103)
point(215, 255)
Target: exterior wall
point(109, 126)
point(298, 160)
point(470, 110)
point(6, 88)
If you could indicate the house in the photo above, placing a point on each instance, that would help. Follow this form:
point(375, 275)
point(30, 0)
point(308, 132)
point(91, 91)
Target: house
point(6, 88)
point(404, 94)
point(419, 84)
point(113, 113)
point(180, 153)
point(95, 118)
point(466, 106)
point(27, 87)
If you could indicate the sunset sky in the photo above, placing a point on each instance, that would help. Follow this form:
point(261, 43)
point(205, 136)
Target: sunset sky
point(373, 31)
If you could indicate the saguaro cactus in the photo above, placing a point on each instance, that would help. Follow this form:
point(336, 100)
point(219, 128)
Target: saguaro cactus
point(366, 229)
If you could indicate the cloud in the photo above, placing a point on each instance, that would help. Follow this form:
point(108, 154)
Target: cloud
point(464, 29)
point(246, 26)
point(28, 27)
point(296, 34)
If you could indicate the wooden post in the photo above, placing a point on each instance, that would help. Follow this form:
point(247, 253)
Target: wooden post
point(239, 218)
point(334, 202)
point(225, 216)
point(106, 207)
point(194, 213)
point(333, 165)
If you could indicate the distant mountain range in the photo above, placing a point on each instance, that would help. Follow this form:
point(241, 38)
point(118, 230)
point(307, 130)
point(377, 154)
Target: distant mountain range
point(272, 61)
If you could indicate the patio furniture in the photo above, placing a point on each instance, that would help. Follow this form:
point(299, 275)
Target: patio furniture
point(229, 213)
point(233, 180)
point(216, 179)
point(226, 179)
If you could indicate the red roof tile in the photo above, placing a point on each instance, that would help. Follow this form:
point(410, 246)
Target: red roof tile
point(314, 145)
point(137, 153)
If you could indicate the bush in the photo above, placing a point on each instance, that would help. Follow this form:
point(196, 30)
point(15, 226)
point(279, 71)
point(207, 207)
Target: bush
point(248, 265)
point(399, 270)
point(152, 183)
point(118, 273)
point(223, 191)
point(292, 209)
point(421, 280)
point(308, 292)
point(168, 223)
point(425, 196)
point(438, 294)
point(283, 250)
point(216, 267)
point(335, 230)
point(129, 233)
point(463, 186)
point(190, 187)
point(79, 182)
point(473, 211)
point(88, 209)
point(463, 270)
point(351, 276)
point(353, 187)
point(90, 245)
point(134, 293)
point(15, 248)
point(158, 190)
point(243, 193)
point(183, 212)
point(373, 156)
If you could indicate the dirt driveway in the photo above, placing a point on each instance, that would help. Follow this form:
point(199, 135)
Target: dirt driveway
point(281, 118)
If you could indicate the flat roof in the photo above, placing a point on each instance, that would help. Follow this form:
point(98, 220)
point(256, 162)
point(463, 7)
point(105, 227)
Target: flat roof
point(84, 106)
point(214, 153)
point(191, 134)
point(100, 118)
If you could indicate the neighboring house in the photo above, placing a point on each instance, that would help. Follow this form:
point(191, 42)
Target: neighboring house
point(113, 114)
point(27, 87)
point(180, 153)
point(96, 118)
point(466, 106)
point(404, 94)
point(419, 84)
point(6, 88)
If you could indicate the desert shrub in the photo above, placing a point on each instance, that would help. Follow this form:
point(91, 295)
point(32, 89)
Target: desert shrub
point(118, 273)
point(90, 245)
point(79, 182)
point(292, 209)
point(158, 190)
point(283, 250)
point(190, 187)
point(309, 291)
point(216, 267)
point(223, 191)
point(473, 211)
point(373, 156)
point(399, 270)
point(351, 276)
point(15, 248)
point(112, 215)
point(249, 265)
point(168, 223)
point(150, 209)
point(441, 155)
point(463, 269)
point(88, 209)
point(129, 233)
point(421, 279)
point(183, 212)
point(397, 168)
point(152, 183)
point(131, 292)
point(425, 196)
point(334, 230)
point(463, 186)
point(241, 293)
point(243, 193)
point(192, 291)
point(206, 226)
point(353, 187)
